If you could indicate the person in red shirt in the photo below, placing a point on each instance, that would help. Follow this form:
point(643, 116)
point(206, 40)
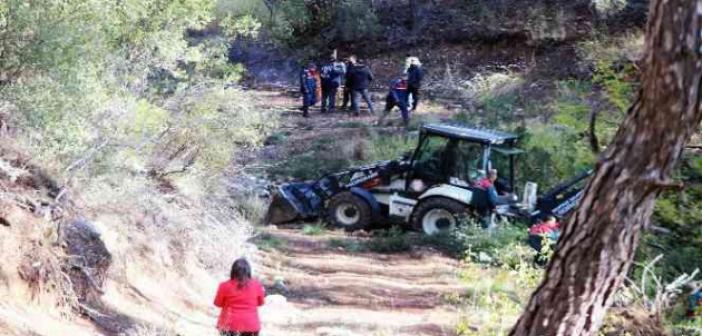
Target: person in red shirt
point(488, 181)
point(544, 234)
point(239, 299)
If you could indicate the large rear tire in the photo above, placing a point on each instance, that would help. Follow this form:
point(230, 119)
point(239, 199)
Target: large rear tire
point(348, 211)
point(438, 214)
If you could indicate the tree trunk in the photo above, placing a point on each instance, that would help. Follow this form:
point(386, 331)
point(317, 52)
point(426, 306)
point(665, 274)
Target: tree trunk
point(594, 141)
point(415, 8)
point(599, 241)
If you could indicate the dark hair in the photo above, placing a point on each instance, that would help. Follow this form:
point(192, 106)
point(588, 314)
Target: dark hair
point(241, 272)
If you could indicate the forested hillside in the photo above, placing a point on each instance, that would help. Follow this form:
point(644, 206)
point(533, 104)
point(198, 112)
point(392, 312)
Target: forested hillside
point(141, 143)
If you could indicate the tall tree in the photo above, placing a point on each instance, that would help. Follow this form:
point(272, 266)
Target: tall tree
point(599, 241)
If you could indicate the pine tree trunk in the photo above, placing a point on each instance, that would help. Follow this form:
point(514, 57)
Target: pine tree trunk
point(599, 241)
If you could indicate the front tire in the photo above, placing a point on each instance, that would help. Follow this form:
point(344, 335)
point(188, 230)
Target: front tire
point(348, 211)
point(437, 215)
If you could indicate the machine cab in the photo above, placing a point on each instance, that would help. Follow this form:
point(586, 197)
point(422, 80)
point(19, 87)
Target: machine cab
point(460, 156)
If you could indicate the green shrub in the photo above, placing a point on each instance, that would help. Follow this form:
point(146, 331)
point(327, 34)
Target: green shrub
point(389, 147)
point(495, 297)
point(314, 229)
point(393, 240)
point(84, 104)
point(314, 25)
point(554, 153)
point(503, 246)
point(349, 245)
point(269, 242)
point(252, 208)
point(328, 155)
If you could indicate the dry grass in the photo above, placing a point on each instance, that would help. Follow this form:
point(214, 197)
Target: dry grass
point(169, 252)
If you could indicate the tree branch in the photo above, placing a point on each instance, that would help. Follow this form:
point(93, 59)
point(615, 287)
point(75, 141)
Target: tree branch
point(664, 184)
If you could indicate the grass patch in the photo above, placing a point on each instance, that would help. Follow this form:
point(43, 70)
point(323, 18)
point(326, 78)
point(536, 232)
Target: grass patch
point(383, 147)
point(269, 242)
point(494, 298)
point(351, 124)
point(350, 245)
point(252, 208)
point(314, 229)
point(504, 246)
point(393, 240)
point(276, 138)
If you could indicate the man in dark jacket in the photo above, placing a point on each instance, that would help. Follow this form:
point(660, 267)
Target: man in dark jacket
point(415, 75)
point(359, 78)
point(332, 74)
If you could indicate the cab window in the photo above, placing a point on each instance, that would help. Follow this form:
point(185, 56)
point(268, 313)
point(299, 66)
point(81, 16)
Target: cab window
point(468, 162)
point(429, 163)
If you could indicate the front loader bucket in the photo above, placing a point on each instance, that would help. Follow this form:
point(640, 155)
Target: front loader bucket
point(293, 201)
point(280, 211)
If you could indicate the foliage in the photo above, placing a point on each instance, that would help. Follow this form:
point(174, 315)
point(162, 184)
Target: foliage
point(388, 147)
point(393, 240)
point(495, 297)
point(328, 154)
point(204, 126)
point(349, 245)
point(681, 213)
point(617, 83)
point(269, 242)
point(609, 7)
point(314, 229)
point(102, 85)
point(60, 38)
point(553, 154)
point(251, 208)
point(310, 25)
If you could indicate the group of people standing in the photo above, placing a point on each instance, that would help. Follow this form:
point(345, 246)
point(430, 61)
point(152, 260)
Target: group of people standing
point(354, 78)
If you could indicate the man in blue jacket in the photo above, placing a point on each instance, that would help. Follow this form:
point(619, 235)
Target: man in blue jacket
point(332, 74)
point(309, 77)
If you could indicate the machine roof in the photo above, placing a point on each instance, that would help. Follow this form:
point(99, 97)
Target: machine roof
point(465, 132)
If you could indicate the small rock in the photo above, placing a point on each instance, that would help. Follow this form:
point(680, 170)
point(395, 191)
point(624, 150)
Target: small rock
point(484, 258)
point(328, 331)
point(276, 300)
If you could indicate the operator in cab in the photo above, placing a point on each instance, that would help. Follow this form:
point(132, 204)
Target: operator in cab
point(488, 183)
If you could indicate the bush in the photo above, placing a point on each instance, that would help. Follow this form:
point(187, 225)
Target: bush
point(315, 25)
point(269, 242)
point(393, 240)
point(349, 245)
point(494, 298)
point(252, 208)
point(206, 124)
point(389, 147)
point(314, 229)
point(328, 154)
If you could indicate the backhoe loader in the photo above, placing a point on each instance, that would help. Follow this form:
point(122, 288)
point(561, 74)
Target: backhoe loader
point(432, 189)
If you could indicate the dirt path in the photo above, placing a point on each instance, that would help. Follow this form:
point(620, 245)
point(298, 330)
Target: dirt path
point(334, 291)
point(330, 289)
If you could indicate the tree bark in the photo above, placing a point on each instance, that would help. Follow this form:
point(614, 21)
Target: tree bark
point(599, 240)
